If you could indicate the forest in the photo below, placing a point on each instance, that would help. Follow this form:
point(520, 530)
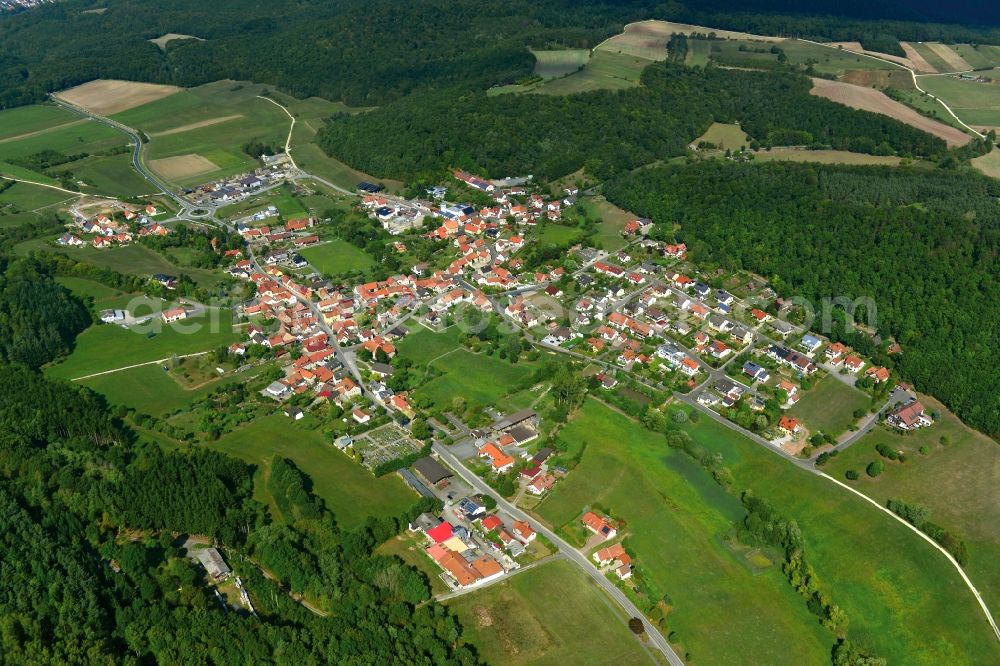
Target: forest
point(74, 479)
point(922, 243)
point(608, 132)
point(371, 52)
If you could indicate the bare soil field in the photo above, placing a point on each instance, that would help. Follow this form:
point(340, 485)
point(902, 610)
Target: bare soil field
point(955, 61)
point(28, 135)
point(988, 164)
point(182, 166)
point(880, 78)
point(105, 97)
point(171, 36)
point(648, 39)
point(855, 47)
point(920, 63)
point(208, 122)
point(869, 99)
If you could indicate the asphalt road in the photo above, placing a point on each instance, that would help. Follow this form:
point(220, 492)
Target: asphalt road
point(656, 639)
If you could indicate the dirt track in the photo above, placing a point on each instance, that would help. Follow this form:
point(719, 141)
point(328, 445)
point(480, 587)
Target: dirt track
point(198, 125)
point(868, 99)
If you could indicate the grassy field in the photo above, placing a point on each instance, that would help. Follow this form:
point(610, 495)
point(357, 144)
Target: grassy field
point(558, 234)
point(605, 71)
point(337, 257)
point(891, 583)
point(69, 139)
point(955, 481)
point(131, 259)
point(112, 175)
point(23, 197)
point(829, 61)
point(552, 614)
point(106, 347)
point(553, 64)
point(348, 489)
point(926, 106)
point(150, 390)
point(975, 103)
point(34, 118)
point(829, 406)
point(724, 136)
point(676, 515)
point(978, 55)
point(613, 220)
point(478, 378)
point(310, 114)
point(213, 121)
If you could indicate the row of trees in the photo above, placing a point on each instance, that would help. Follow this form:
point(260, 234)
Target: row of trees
point(920, 245)
point(608, 132)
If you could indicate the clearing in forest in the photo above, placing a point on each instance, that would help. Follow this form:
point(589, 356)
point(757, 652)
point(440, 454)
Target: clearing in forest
point(104, 96)
point(171, 36)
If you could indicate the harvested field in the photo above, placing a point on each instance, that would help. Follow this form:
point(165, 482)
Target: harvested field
point(876, 101)
point(955, 61)
point(182, 166)
point(920, 63)
point(163, 40)
point(988, 164)
point(104, 97)
point(198, 125)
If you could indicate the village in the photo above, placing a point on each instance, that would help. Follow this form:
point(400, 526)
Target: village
point(642, 316)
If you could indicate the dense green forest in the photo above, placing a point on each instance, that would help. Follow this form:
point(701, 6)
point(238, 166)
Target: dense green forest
point(82, 585)
point(923, 244)
point(362, 52)
point(369, 52)
point(608, 132)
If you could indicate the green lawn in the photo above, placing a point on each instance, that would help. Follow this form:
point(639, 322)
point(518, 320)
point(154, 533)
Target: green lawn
point(410, 549)
point(957, 482)
point(85, 288)
point(552, 614)
point(829, 406)
point(675, 515)
point(891, 583)
point(423, 345)
point(106, 347)
point(337, 257)
point(348, 489)
point(288, 205)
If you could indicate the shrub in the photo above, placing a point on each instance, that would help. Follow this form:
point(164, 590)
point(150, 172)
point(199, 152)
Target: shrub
point(886, 452)
point(924, 450)
point(636, 625)
point(851, 474)
point(875, 468)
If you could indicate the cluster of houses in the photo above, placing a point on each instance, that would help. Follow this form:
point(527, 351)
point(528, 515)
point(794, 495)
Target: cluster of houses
point(477, 548)
point(505, 439)
point(236, 188)
point(106, 230)
point(611, 558)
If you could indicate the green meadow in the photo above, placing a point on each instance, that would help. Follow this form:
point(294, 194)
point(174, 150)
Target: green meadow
point(551, 615)
point(337, 257)
point(676, 517)
point(349, 490)
point(105, 347)
point(829, 406)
